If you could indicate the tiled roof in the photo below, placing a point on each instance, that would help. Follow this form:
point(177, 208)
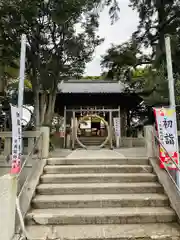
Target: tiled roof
point(93, 86)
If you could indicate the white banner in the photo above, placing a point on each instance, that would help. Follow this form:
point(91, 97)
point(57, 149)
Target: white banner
point(16, 140)
point(117, 126)
point(166, 123)
point(167, 132)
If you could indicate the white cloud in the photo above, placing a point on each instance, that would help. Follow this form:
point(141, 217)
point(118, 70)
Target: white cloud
point(118, 33)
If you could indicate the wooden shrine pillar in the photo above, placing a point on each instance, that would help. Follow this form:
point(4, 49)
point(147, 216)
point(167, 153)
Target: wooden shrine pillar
point(110, 130)
point(73, 122)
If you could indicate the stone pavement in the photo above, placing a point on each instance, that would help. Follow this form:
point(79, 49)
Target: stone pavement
point(107, 153)
point(60, 153)
point(131, 152)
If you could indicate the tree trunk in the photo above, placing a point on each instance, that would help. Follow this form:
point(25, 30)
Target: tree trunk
point(50, 108)
point(128, 119)
point(36, 108)
point(162, 17)
point(43, 106)
point(36, 91)
point(2, 80)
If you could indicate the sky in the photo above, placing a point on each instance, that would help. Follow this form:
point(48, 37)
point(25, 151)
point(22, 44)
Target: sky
point(117, 33)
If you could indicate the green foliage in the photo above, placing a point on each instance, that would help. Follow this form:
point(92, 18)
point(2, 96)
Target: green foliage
point(157, 18)
point(14, 83)
point(8, 73)
point(177, 91)
point(55, 49)
point(121, 59)
point(127, 63)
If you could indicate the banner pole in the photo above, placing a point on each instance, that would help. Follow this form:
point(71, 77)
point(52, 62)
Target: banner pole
point(21, 84)
point(172, 94)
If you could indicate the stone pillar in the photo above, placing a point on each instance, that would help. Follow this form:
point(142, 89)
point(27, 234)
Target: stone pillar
point(68, 141)
point(140, 134)
point(8, 192)
point(45, 141)
point(149, 140)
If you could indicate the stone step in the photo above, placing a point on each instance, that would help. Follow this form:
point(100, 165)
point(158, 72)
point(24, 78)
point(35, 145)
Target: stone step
point(91, 143)
point(92, 140)
point(98, 178)
point(98, 169)
point(101, 188)
point(158, 231)
point(78, 216)
point(100, 201)
point(103, 161)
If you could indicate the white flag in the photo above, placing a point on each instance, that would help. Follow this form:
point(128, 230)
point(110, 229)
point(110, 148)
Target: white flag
point(16, 140)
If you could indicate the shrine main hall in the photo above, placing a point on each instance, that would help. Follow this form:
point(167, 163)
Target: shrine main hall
point(90, 108)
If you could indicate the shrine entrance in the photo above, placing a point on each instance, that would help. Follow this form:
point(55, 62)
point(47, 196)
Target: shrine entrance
point(91, 127)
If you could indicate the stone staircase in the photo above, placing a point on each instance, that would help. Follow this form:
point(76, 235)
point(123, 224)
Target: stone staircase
point(100, 199)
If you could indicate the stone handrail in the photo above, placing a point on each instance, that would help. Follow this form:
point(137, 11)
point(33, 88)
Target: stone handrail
point(165, 176)
point(6, 141)
point(12, 199)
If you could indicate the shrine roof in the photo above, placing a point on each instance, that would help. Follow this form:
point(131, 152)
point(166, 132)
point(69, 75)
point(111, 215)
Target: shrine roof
point(91, 86)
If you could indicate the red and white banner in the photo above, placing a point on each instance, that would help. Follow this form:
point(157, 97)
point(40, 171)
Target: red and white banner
point(16, 140)
point(167, 134)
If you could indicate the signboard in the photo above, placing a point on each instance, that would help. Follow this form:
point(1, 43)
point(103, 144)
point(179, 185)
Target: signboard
point(167, 133)
point(117, 126)
point(16, 140)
